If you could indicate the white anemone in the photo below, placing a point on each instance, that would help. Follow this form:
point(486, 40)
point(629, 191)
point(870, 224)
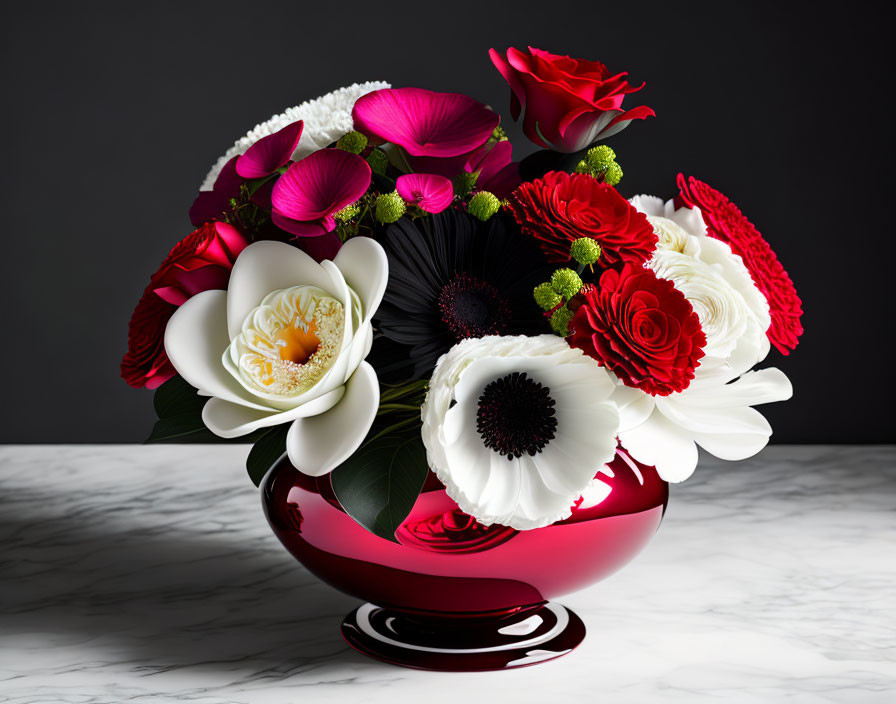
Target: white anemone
point(286, 344)
point(517, 427)
point(326, 119)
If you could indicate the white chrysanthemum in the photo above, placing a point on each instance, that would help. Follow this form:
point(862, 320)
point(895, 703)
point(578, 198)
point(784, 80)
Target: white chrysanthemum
point(517, 427)
point(326, 119)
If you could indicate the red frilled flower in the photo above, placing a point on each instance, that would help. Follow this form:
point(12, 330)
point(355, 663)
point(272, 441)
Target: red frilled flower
point(725, 222)
point(200, 262)
point(559, 208)
point(641, 328)
point(567, 104)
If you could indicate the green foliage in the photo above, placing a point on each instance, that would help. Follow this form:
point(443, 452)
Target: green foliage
point(560, 321)
point(613, 174)
point(566, 282)
point(389, 207)
point(585, 251)
point(464, 183)
point(353, 142)
point(378, 485)
point(546, 297)
point(179, 409)
point(349, 212)
point(266, 452)
point(483, 205)
point(379, 162)
point(600, 162)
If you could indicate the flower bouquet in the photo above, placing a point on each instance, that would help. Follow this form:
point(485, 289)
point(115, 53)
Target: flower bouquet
point(468, 379)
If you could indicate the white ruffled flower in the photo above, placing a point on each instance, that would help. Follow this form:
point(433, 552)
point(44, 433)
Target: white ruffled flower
point(714, 411)
point(731, 309)
point(326, 119)
point(689, 219)
point(733, 313)
point(517, 427)
point(286, 344)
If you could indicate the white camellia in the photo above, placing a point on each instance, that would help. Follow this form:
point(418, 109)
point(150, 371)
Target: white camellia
point(714, 411)
point(516, 427)
point(286, 344)
point(326, 119)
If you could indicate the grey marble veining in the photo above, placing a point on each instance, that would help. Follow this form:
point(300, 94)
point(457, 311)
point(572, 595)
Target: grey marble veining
point(137, 574)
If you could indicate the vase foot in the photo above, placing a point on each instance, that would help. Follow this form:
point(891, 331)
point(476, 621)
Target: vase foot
point(463, 644)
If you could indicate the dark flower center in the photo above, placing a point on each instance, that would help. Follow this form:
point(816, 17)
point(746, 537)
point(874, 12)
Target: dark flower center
point(516, 416)
point(471, 307)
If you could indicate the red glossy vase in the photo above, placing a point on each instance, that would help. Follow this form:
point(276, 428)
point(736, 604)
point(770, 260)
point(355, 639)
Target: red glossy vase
point(453, 594)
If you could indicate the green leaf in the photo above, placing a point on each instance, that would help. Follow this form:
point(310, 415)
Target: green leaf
point(176, 397)
point(379, 484)
point(266, 452)
point(183, 427)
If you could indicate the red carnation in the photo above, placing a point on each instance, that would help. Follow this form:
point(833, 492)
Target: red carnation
point(145, 365)
point(559, 208)
point(200, 262)
point(725, 222)
point(641, 328)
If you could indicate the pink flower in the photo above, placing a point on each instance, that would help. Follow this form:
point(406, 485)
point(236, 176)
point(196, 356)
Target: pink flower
point(212, 204)
point(270, 153)
point(498, 173)
point(423, 122)
point(313, 190)
point(427, 191)
point(567, 104)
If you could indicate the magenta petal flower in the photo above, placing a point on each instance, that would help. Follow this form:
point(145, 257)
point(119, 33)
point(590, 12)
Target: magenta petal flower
point(313, 190)
point(211, 204)
point(424, 122)
point(270, 153)
point(427, 191)
point(498, 173)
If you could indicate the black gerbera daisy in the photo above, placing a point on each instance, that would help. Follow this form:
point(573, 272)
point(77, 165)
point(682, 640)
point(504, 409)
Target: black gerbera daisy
point(452, 276)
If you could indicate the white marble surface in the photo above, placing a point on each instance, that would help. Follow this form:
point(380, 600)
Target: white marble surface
point(148, 574)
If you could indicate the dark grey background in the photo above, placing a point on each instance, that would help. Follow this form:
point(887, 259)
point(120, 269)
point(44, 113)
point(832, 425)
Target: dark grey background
point(113, 114)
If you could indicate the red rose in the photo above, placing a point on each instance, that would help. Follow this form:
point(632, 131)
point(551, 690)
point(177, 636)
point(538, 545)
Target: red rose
point(725, 222)
point(200, 262)
point(559, 208)
point(145, 364)
point(641, 328)
point(567, 104)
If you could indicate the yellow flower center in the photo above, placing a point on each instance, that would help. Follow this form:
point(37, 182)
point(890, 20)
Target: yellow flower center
point(290, 341)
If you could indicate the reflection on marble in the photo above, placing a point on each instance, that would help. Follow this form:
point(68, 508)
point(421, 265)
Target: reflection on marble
point(149, 574)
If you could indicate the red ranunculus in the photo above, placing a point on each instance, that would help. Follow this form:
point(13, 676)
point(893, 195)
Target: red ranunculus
point(200, 262)
point(641, 328)
point(725, 222)
point(567, 104)
point(559, 208)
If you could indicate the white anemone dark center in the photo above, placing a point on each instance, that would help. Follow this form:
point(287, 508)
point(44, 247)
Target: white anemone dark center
point(516, 416)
